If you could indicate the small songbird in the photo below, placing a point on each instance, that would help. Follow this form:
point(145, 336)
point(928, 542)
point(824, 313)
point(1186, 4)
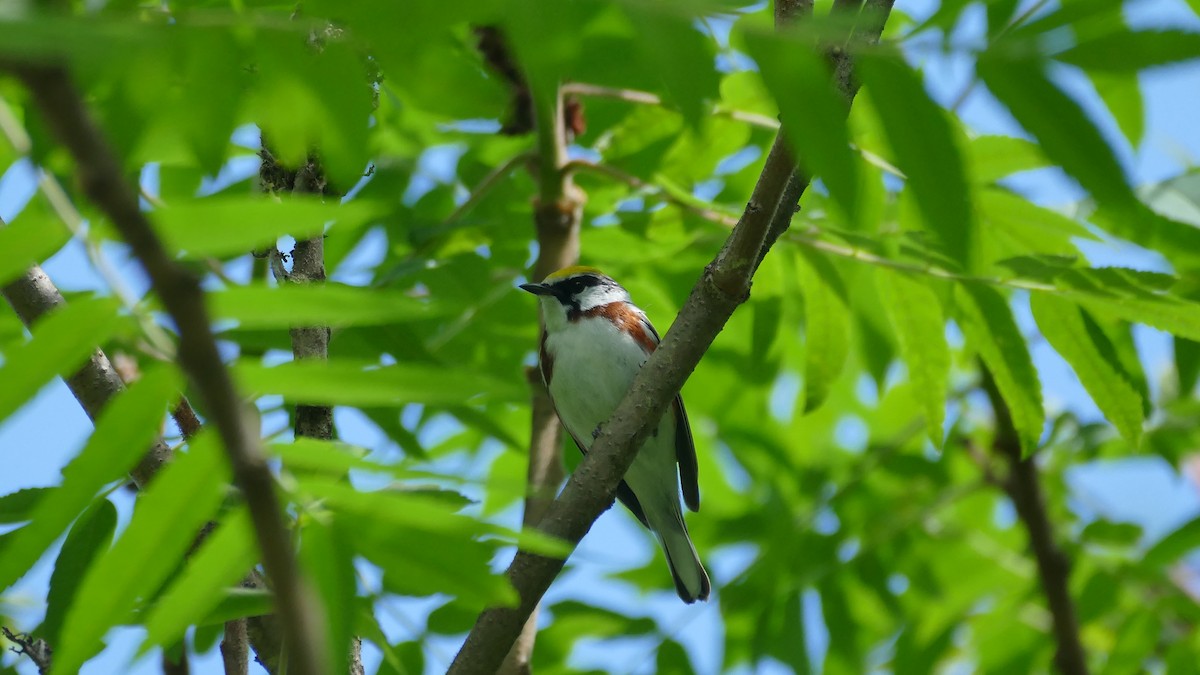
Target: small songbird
point(595, 341)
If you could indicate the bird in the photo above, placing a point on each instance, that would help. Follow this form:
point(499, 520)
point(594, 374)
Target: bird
point(593, 344)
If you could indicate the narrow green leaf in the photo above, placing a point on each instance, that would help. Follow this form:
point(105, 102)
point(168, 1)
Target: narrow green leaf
point(164, 525)
point(223, 559)
point(220, 226)
point(328, 304)
point(916, 314)
point(1075, 336)
point(1130, 51)
point(988, 324)
point(826, 325)
point(991, 158)
point(1174, 546)
point(239, 603)
point(1122, 94)
point(925, 147)
point(61, 341)
point(91, 534)
point(813, 113)
point(1165, 313)
point(1187, 364)
point(123, 433)
point(17, 506)
point(27, 242)
point(339, 382)
point(1071, 140)
point(328, 558)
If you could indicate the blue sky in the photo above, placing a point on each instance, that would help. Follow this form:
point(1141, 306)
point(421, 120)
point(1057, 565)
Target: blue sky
point(37, 441)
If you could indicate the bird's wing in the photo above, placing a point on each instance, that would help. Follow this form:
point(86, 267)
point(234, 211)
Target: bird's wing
point(685, 446)
point(624, 492)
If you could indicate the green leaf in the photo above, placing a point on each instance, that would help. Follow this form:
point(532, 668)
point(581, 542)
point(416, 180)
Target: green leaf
point(1110, 533)
point(991, 158)
point(916, 314)
point(673, 47)
point(926, 150)
point(988, 324)
point(224, 558)
point(17, 506)
point(62, 340)
point(1122, 94)
point(1130, 51)
point(27, 242)
point(1173, 546)
point(164, 525)
point(1075, 336)
point(329, 304)
point(1072, 141)
point(1187, 364)
point(239, 603)
point(221, 226)
point(328, 558)
point(91, 535)
point(1163, 312)
point(826, 325)
point(813, 113)
point(124, 431)
point(341, 382)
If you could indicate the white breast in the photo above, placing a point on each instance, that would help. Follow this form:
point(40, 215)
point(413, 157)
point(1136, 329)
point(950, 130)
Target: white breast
point(594, 365)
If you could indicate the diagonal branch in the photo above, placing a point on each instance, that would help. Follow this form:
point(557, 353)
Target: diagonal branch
point(1024, 488)
point(724, 284)
point(101, 176)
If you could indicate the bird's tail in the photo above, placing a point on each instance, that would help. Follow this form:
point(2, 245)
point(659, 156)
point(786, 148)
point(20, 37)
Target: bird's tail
point(691, 581)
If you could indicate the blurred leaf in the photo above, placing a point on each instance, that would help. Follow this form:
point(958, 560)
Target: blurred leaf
point(988, 324)
point(673, 47)
point(1070, 139)
point(329, 304)
point(1075, 336)
point(1187, 364)
point(813, 113)
point(1111, 534)
point(224, 558)
point(27, 242)
point(239, 603)
point(61, 341)
point(672, 658)
point(991, 158)
point(1173, 546)
point(164, 525)
point(1122, 95)
point(328, 559)
point(1127, 50)
point(220, 226)
point(123, 433)
point(91, 534)
point(17, 506)
point(926, 151)
point(826, 325)
point(916, 314)
point(341, 382)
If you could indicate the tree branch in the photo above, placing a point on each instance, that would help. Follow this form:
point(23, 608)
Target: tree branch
point(35, 648)
point(1054, 569)
point(100, 175)
point(96, 382)
point(234, 653)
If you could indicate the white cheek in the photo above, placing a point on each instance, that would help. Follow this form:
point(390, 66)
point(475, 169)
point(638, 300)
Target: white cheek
point(553, 313)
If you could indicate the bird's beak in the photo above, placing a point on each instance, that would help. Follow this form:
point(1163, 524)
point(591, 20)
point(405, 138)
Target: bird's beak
point(537, 289)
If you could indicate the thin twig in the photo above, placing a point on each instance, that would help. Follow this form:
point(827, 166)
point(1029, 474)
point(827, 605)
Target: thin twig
point(35, 648)
point(100, 174)
point(649, 98)
point(636, 183)
point(485, 186)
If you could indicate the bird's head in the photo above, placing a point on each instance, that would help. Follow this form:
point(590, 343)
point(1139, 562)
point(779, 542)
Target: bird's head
point(569, 292)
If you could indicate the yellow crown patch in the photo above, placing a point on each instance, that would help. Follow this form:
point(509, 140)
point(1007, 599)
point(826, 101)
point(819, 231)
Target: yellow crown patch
point(572, 270)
